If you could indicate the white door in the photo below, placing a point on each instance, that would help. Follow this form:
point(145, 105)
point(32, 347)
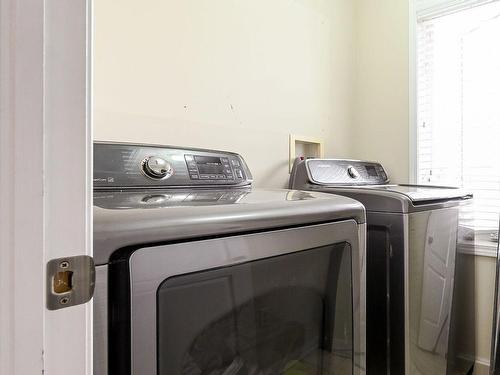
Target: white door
point(45, 181)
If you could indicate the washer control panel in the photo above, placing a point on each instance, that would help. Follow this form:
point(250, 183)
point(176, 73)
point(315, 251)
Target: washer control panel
point(202, 167)
point(345, 172)
point(124, 165)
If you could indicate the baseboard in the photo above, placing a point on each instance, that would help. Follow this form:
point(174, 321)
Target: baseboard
point(481, 366)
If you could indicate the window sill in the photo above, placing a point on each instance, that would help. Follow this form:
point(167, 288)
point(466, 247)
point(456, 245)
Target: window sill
point(480, 247)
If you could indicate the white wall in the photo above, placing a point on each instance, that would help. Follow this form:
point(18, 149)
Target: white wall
point(381, 110)
point(226, 74)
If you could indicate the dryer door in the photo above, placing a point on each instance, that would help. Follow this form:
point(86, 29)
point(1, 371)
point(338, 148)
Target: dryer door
point(271, 303)
point(270, 316)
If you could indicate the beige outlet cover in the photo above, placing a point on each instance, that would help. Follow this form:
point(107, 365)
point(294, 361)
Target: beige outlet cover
point(304, 146)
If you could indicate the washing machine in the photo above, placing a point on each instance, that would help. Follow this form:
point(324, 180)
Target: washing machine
point(420, 319)
point(199, 273)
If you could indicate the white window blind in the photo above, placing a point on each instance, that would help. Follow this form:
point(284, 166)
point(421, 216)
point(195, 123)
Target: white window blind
point(458, 104)
point(428, 9)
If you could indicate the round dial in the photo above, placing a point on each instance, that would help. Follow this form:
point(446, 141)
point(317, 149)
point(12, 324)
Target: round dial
point(352, 172)
point(157, 168)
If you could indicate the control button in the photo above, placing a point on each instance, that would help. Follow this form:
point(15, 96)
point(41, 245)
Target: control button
point(228, 171)
point(213, 176)
point(224, 160)
point(204, 176)
point(157, 168)
point(221, 176)
point(352, 172)
point(194, 177)
point(229, 176)
point(239, 173)
point(235, 162)
point(191, 165)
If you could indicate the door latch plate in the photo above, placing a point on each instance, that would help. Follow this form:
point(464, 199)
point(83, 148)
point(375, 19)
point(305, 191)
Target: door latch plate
point(70, 281)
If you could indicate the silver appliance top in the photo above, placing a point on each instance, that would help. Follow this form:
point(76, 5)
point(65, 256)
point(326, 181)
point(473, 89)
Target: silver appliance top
point(132, 209)
point(369, 183)
point(131, 218)
point(421, 193)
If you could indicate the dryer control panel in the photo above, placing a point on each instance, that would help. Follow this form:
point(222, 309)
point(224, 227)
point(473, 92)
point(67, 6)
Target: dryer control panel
point(345, 172)
point(125, 165)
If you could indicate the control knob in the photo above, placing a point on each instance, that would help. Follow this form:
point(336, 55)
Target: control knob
point(157, 168)
point(352, 172)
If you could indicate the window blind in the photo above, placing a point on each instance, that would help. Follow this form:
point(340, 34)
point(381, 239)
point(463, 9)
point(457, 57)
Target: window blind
point(458, 106)
point(428, 9)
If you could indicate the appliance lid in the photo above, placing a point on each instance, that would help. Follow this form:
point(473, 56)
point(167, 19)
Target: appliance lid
point(419, 194)
point(141, 218)
point(400, 199)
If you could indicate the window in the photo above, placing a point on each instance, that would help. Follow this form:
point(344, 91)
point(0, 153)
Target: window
point(458, 103)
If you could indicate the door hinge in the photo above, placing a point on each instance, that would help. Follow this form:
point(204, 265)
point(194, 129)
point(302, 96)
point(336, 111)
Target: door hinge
point(70, 281)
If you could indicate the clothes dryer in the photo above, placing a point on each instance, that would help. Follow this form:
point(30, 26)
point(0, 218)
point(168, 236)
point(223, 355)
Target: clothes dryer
point(199, 273)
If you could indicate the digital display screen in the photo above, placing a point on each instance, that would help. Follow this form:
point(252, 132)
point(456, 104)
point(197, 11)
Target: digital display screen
point(372, 172)
point(209, 165)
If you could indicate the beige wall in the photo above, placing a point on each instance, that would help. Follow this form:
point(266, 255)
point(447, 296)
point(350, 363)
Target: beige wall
point(381, 110)
point(485, 291)
point(233, 75)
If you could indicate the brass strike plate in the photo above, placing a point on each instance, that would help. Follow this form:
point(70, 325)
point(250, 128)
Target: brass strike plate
point(70, 281)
